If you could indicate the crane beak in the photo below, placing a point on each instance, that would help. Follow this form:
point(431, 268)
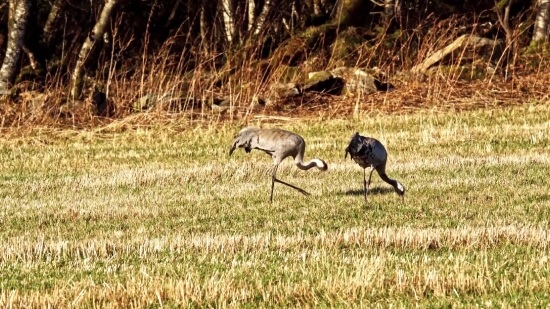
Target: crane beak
point(232, 148)
point(347, 151)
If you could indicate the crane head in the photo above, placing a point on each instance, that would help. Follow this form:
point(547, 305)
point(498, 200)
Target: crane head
point(400, 190)
point(354, 145)
point(242, 139)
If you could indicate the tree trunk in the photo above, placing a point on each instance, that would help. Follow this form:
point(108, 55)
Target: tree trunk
point(228, 22)
point(17, 20)
point(206, 27)
point(505, 23)
point(241, 19)
point(317, 7)
point(541, 23)
point(97, 34)
point(262, 14)
point(348, 12)
point(49, 27)
point(251, 16)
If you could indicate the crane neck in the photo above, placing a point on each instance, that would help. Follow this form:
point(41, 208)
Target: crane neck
point(320, 164)
point(394, 183)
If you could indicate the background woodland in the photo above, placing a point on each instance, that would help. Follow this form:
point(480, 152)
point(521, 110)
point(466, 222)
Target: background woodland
point(68, 59)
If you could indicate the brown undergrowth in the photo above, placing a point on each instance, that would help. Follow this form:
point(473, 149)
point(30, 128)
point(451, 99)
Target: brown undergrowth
point(188, 88)
point(408, 97)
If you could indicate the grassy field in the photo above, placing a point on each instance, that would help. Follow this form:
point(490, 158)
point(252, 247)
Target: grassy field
point(163, 217)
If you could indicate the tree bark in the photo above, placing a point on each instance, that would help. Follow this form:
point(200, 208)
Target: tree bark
point(49, 27)
point(505, 23)
point(251, 15)
point(317, 7)
point(541, 22)
point(228, 22)
point(262, 14)
point(97, 34)
point(348, 12)
point(17, 20)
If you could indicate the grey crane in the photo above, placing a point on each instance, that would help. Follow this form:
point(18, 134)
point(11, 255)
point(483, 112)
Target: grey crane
point(279, 144)
point(369, 152)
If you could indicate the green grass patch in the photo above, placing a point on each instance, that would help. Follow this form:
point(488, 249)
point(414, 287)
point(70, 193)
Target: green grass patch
point(153, 217)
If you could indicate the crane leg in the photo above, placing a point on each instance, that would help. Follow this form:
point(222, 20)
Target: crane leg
point(293, 187)
point(366, 184)
point(274, 180)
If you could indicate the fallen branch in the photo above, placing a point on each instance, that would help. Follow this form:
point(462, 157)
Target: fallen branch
point(466, 40)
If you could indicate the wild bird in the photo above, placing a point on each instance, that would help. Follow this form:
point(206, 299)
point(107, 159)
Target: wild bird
point(369, 152)
point(279, 144)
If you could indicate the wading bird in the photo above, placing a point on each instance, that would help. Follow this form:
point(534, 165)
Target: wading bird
point(279, 144)
point(369, 152)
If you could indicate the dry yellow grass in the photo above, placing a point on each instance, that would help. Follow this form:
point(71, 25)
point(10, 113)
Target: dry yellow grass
point(157, 217)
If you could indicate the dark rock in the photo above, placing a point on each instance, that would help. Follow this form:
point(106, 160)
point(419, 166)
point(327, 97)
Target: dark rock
point(324, 82)
point(104, 107)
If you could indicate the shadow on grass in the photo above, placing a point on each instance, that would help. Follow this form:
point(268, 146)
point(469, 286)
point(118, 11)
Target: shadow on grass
point(375, 190)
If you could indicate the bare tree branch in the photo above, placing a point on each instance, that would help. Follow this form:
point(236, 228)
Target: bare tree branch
point(505, 20)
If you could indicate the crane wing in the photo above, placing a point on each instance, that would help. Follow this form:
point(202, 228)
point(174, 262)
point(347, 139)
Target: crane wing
point(244, 138)
point(378, 152)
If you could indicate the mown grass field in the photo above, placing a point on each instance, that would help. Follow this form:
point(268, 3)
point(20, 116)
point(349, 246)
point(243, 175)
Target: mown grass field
point(162, 217)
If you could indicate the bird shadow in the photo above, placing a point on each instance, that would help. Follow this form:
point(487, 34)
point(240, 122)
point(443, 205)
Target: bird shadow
point(375, 190)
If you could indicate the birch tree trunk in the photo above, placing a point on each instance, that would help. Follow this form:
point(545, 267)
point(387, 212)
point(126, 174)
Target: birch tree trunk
point(49, 27)
point(541, 22)
point(251, 16)
point(317, 7)
point(228, 22)
point(17, 20)
point(97, 34)
point(262, 13)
